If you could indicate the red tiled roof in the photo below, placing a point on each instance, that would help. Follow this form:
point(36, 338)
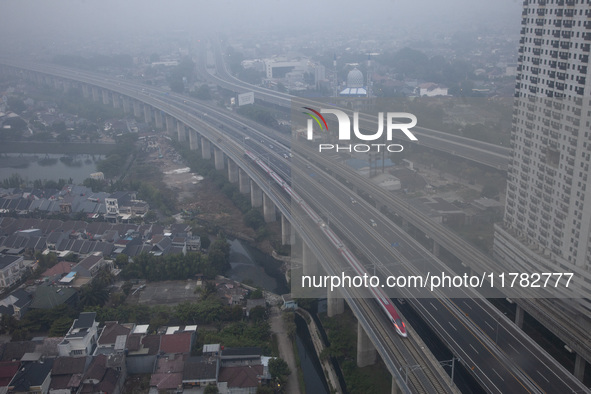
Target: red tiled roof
point(60, 268)
point(111, 331)
point(7, 371)
point(243, 376)
point(176, 343)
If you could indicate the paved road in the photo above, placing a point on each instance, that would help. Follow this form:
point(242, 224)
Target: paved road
point(285, 350)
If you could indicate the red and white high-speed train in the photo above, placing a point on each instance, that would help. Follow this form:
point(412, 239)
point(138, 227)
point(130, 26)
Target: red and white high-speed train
point(382, 299)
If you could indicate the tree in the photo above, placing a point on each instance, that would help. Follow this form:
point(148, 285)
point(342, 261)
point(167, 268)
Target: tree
point(121, 260)
point(254, 218)
point(60, 326)
point(278, 367)
point(93, 295)
point(16, 105)
point(258, 313)
point(211, 389)
point(203, 93)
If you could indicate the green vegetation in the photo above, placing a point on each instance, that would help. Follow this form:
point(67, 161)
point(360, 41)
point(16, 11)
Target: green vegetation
point(175, 267)
point(258, 114)
point(342, 337)
point(279, 370)
point(182, 72)
point(237, 334)
point(115, 163)
point(202, 93)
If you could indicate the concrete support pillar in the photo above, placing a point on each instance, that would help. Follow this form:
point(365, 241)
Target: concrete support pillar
point(137, 110)
point(205, 148)
point(395, 388)
point(243, 181)
point(232, 171)
point(147, 114)
point(269, 209)
point(180, 131)
point(56, 83)
point(158, 118)
point(66, 86)
point(125, 102)
point(95, 93)
point(335, 304)
point(218, 158)
point(366, 351)
point(256, 195)
point(193, 140)
point(287, 236)
point(580, 365)
point(85, 91)
point(519, 314)
point(309, 261)
point(436, 248)
point(116, 100)
point(105, 97)
point(169, 125)
point(40, 79)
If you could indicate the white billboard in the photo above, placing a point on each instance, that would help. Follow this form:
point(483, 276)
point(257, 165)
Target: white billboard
point(245, 98)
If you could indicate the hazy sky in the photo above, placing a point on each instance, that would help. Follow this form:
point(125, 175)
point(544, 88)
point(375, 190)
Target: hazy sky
point(40, 20)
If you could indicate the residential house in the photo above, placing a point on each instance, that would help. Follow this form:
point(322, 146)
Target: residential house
point(48, 296)
point(240, 379)
point(113, 338)
point(178, 342)
point(200, 371)
point(104, 375)
point(168, 374)
point(8, 370)
point(33, 377)
point(11, 269)
point(17, 303)
point(82, 337)
point(238, 356)
point(66, 374)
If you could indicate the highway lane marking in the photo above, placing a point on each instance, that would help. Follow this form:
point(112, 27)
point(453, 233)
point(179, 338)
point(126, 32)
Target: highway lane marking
point(473, 348)
point(491, 327)
point(542, 375)
point(452, 326)
point(498, 374)
point(489, 350)
point(465, 303)
point(516, 351)
point(434, 307)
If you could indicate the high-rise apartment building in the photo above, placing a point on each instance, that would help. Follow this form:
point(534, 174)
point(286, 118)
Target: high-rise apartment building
point(547, 220)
